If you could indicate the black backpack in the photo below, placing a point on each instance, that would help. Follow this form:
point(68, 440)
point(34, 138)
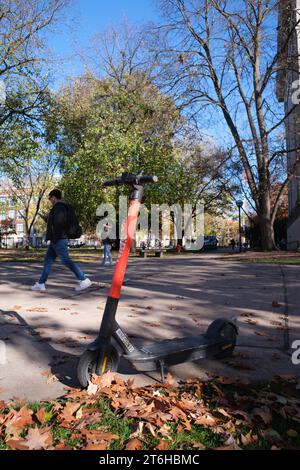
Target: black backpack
point(73, 228)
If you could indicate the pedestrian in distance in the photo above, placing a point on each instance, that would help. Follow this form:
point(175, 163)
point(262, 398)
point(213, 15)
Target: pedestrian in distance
point(232, 244)
point(62, 225)
point(107, 245)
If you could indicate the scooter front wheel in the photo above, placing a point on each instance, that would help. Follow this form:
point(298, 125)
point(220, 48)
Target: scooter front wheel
point(88, 362)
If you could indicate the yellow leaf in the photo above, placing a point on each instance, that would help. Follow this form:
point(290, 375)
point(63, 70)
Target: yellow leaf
point(292, 433)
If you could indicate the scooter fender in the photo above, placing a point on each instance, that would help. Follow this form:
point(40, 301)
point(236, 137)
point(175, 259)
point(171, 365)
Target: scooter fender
point(95, 345)
point(234, 322)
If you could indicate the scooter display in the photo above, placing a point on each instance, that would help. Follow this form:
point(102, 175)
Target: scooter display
point(112, 342)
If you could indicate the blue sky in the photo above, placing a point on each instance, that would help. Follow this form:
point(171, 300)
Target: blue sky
point(85, 18)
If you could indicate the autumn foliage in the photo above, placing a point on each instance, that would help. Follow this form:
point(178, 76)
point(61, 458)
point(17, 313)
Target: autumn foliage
point(221, 413)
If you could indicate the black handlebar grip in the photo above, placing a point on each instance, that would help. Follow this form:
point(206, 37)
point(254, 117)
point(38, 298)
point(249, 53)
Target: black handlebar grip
point(112, 183)
point(147, 179)
point(128, 178)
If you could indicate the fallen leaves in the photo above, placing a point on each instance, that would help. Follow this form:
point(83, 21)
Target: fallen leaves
point(15, 421)
point(67, 415)
point(235, 414)
point(206, 420)
point(134, 444)
point(36, 439)
point(260, 333)
point(51, 378)
point(37, 309)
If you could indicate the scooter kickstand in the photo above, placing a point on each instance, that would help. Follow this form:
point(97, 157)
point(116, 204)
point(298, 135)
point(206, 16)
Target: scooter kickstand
point(162, 371)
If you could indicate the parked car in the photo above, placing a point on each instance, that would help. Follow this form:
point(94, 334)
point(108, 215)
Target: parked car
point(76, 244)
point(210, 243)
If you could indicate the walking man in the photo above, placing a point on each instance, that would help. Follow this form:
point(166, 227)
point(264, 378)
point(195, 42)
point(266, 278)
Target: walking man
point(57, 234)
point(106, 241)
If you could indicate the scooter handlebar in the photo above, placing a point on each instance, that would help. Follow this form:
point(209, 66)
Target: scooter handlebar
point(128, 178)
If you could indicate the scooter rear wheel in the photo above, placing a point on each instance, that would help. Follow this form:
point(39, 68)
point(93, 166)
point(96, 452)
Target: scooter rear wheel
point(226, 332)
point(88, 362)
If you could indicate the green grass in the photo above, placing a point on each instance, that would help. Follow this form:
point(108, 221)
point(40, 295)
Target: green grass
point(37, 255)
point(3, 446)
point(277, 261)
point(186, 439)
point(282, 432)
point(35, 406)
point(114, 424)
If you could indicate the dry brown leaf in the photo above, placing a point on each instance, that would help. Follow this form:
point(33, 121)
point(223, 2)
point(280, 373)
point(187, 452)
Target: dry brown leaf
point(230, 444)
point(40, 415)
point(170, 380)
point(19, 419)
point(197, 445)
point(163, 445)
point(62, 446)
point(259, 333)
point(17, 444)
point(223, 412)
point(97, 436)
point(134, 444)
point(37, 309)
point(92, 388)
point(151, 324)
point(248, 439)
point(239, 365)
point(52, 379)
point(252, 322)
point(67, 414)
point(104, 380)
point(151, 429)
point(101, 446)
point(206, 420)
point(38, 439)
point(165, 431)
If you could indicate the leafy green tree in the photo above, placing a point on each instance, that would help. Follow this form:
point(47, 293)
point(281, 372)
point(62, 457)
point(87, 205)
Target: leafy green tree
point(111, 130)
point(23, 63)
point(28, 171)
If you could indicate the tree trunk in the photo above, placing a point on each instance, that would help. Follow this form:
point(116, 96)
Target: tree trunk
point(26, 236)
point(265, 223)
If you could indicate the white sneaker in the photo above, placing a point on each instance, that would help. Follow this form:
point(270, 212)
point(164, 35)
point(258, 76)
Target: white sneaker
point(83, 285)
point(38, 287)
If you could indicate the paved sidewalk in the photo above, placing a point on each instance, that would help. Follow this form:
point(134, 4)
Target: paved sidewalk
point(44, 333)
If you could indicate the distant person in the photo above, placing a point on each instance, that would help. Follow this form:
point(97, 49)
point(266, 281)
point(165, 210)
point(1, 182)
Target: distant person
point(282, 244)
point(179, 248)
point(107, 245)
point(58, 230)
point(232, 244)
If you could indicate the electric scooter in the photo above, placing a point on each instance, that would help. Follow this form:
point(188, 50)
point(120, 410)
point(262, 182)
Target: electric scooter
point(102, 355)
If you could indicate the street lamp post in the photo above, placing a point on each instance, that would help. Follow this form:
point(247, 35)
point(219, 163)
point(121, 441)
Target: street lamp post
point(240, 205)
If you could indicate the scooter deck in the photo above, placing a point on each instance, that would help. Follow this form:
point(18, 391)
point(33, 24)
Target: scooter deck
point(174, 351)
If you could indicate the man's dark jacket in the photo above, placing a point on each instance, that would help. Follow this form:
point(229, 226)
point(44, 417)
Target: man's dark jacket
point(57, 222)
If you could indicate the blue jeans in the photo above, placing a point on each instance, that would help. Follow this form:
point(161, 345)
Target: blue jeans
point(107, 254)
point(59, 248)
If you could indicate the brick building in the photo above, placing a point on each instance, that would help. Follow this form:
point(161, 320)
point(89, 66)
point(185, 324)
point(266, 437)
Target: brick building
point(287, 83)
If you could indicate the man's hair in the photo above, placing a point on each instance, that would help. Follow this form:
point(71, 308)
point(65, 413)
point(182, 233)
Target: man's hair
point(56, 193)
